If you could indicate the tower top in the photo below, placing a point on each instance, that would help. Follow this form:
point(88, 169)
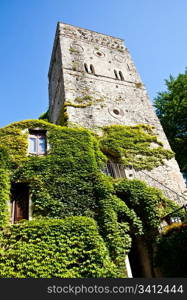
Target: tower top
point(59, 24)
point(87, 36)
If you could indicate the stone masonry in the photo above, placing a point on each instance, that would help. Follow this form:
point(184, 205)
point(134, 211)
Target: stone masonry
point(94, 76)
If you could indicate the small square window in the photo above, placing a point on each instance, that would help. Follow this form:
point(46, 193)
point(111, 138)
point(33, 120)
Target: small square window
point(37, 142)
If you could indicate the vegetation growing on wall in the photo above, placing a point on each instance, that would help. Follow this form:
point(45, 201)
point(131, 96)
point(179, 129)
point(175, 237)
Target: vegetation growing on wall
point(4, 187)
point(171, 108)
point(80, 102)
point(149, 203)
point(134, 145)
point(44, 116)
point(68, 182)
point(173, 245)
point(71, 247)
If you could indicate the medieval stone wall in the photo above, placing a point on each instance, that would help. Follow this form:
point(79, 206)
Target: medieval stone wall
point(94, 75)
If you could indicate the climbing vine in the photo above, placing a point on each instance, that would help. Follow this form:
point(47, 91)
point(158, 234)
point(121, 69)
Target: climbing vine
point(134, 145)
point(68, 182)
point(4, 187)
point(72, 247)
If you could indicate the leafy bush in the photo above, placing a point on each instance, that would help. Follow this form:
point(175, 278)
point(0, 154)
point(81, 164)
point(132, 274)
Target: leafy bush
point(171, 255)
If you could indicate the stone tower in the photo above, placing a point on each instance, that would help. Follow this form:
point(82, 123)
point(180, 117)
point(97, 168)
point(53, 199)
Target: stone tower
point(93, 81)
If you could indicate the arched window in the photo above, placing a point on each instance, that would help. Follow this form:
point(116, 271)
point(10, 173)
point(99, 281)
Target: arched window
point(116, 74)
point(86, 68)
point(92, 69)
point(121, 76)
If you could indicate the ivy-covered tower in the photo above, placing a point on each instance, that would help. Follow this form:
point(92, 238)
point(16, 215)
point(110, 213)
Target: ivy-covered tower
point(93, 83)
point(75, 220)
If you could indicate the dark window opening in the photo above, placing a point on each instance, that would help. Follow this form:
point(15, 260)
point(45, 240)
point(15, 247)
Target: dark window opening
point(121, 76)
point(92, 69)
point(128, 67)
point(86, 68)
point(116, 111)
point(116, 74)
point(115, 170)
point(99, 53)
point(20, 202)
point(37, 142)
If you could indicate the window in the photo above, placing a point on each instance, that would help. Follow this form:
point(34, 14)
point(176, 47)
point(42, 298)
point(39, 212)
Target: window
point(37, 142)
point(128, 67)
point(115, 170)
point(121, 76)
point(86, 68)
point(92, 69)
point(116, 74)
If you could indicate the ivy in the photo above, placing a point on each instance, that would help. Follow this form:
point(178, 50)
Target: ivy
point(173, 245)
point(149, 203)
point(4, 187)
point(68, 182)
point(133, 145)
point(44, 116)
point(71, 247)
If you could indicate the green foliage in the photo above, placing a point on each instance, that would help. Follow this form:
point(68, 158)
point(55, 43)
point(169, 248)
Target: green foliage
point(4, 187)
point(83, 102)
point(4, 157)
point(82, 105)
point(84, 98)
point(149, 203)
point(171, 108)
point(15, 142)
point(73, 50)
point(171, 255)
point(116, 234)
point(71, 247)
point(60, 182)
point(68, 182)
point(44, 116)
point(132, 145)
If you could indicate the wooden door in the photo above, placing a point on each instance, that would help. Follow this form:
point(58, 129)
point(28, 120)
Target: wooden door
point(20, 202)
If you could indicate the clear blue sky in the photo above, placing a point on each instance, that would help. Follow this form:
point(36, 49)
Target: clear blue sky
point(155, 32)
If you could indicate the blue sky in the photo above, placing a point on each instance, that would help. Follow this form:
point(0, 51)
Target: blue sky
point(155, 32)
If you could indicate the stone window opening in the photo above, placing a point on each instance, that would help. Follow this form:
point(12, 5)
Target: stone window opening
point(128, 67)
point(121, 76)
point(86, 68)
point(92, 69)
point(116, 74)
point(116, 111)
point(37, 142)
point(114, 170)
point(117, 170)
point(99, 53)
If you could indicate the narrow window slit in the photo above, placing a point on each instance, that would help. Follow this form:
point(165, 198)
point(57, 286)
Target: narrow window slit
point(86, 68)
point(92, 69)
point(121, 75)
point(116, 74)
